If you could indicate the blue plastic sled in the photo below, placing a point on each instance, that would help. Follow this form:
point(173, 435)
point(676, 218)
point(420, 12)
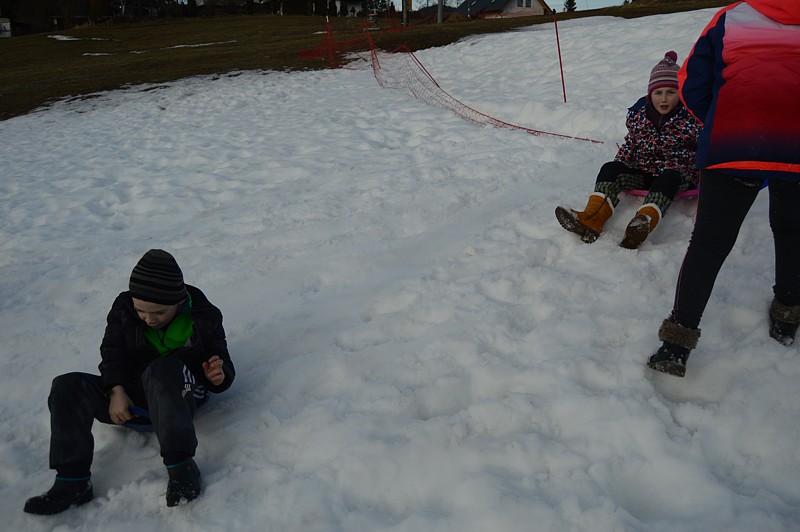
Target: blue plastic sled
point(141, 421)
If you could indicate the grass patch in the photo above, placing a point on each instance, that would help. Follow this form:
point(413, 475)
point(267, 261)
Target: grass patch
point(39, 69)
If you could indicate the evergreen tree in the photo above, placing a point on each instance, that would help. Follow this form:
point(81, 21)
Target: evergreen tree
point(99, 9)
point(377, 6)
point(294, 7)
point(570, 5)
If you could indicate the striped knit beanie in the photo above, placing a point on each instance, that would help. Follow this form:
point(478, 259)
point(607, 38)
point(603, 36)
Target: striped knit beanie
point(664, 74)
point(157, 278)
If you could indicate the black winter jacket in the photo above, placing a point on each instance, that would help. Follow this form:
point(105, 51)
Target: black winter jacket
point(126, 353)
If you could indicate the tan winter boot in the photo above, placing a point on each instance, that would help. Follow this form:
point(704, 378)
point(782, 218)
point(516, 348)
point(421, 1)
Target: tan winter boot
point(645, 221)
point(588, 223)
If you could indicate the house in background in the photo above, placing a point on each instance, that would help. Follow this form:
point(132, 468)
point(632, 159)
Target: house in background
point(351, 7)
point(5, 27)
point(503, 8)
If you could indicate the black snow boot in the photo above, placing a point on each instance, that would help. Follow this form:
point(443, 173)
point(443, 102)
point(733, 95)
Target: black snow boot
point(678, 342)
point(184, 483)
point(784, 321)
point(66, 492)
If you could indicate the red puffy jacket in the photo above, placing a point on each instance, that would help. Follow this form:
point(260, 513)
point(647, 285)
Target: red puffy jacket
point(742, 81)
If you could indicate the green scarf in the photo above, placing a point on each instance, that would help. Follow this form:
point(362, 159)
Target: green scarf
point(176, 334)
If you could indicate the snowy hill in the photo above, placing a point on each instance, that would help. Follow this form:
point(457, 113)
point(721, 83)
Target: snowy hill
point(419, 345)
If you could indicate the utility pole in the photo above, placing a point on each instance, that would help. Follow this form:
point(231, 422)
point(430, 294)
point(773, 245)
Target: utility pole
point(440, 14)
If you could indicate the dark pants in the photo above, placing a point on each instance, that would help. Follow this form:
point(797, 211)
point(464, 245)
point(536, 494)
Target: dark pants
point(614, 177)
point(667, 182)
point(77, 399)
point(723, 204)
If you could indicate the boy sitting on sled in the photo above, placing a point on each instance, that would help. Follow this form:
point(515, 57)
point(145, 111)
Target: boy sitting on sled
point(658, 155)
point(164, 347)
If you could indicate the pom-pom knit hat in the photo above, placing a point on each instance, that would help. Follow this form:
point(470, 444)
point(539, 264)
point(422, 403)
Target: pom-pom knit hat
point(157, 278)
point(664, 74)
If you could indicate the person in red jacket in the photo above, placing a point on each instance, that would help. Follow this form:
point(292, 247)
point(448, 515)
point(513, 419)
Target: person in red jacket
point(741, 81)
point(164, 347)
point(658, 155)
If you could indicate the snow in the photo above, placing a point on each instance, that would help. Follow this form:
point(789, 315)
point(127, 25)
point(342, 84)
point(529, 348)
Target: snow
point(419, 345)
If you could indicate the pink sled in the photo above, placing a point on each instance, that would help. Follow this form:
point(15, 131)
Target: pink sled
point(685, 194)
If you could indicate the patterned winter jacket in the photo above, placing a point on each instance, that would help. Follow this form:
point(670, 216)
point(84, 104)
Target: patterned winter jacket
point(741, 80)
point(126, 353)
point(672, 146)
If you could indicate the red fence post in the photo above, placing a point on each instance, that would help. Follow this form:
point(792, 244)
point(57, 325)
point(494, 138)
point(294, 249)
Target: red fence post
point(560, 64)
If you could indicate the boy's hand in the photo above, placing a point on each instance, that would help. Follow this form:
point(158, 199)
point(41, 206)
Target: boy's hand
point(213, 370)
point(118, 405)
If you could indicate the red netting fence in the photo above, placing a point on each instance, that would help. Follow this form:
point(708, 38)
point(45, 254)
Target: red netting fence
point(402, 70)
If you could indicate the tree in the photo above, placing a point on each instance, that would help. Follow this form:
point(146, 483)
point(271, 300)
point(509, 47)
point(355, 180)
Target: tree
point(569, 6)
point(34, 16)
point(378, 6)
point(295, 7)
point(99, 9)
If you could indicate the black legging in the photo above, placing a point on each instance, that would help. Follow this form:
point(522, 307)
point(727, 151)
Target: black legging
point(723, 204)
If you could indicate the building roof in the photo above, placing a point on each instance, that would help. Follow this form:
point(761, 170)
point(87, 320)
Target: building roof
point(476, 7)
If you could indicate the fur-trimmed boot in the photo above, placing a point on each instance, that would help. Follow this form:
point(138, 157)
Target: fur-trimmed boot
point(588, 223)
point(66, 492)
point(640, 227)
point(784, 321)
point(184, 483)
point(678, 342)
